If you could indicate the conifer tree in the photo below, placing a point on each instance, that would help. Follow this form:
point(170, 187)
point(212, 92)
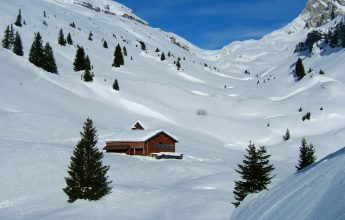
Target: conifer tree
point(116, 85)
point(79, 61)
point(87, 176)
point(12, 35)
point(162, 57)
point(17, 45)
point(124, 51)
point(18, 21)
point(178, 65)
point(118, 58)
point(6, 41)
point(255, 173)
point(287, 135)
point(69, 39)
point(49, 60)
point(87, 63)
point(61, 38)
point(36, 55)
point(306, 156)
point(157, 50)
point(299, 70)
point(87, 76)
point(169, 54)
point(105, 44)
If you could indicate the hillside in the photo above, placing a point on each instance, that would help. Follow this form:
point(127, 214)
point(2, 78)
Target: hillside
point(314, 193)
point(41, 114)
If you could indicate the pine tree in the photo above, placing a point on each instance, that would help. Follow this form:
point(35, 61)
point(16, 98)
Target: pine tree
point(169, 54)
point(87, 175)
point(178, 65)
point(306, 156)
point(36, 55)
point(19, 19)
point(116, 85)
point(255, 173)
point(124, 51)
point(142, 45)
point(12, 36)
point(287, 135)
point(105, 44)
point(332, 13)
point(162, 57)
point(118, 58)
point(69, 39)
point(299, 70)
point(157, 50)
point(61, 38)
point(87, 63)
point(6, 41)
point(79, 61)
point(49, 60)
point(17, 45)
point(87, 76)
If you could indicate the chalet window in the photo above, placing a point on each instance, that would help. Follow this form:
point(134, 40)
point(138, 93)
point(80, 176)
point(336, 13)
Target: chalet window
point(164, 146)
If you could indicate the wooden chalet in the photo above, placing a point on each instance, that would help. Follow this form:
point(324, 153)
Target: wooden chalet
point(141, 142)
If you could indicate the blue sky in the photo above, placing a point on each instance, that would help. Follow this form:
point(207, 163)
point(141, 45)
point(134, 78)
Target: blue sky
point(212, 24)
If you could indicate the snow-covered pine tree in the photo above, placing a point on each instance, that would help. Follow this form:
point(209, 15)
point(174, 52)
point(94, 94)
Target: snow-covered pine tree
point(87, 76)
point(116, 85)
point(306, 156)
point(36, 54)
point(6, 41)
point(69, 39)
point(299, 69)
point(79, 61)
point(255, 173)
point(124, 51)
point(118, 58)
point(61, 38)
point(287, 135)
point(87, 175)
point(162, 57)
point(105, 44)
point(18, 21)
point(17, 45)
point(49, 60)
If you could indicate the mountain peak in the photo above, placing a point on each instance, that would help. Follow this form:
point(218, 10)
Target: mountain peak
point(319, 12)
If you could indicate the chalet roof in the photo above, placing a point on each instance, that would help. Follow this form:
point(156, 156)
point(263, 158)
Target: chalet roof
point(138, 123)
point(137, 135)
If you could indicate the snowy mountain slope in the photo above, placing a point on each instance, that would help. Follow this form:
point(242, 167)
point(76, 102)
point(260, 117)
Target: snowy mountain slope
point(314, 193)
point(42, 114)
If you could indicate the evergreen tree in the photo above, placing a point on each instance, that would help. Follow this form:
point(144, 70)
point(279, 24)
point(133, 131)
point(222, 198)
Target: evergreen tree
point(36, 55)
point(178, 65)
point(19, 19)
point(124, 51)
point(116, 85)
point(79, 61)
point(69, 39)
point(332, 13)
point(105, 44)
point(169, 54)
point(157, 50)
point(287, 135)
point(87, 63)
point(12, 35)
point(255, 173)
point(118, 58)
point(142, 45)
point(49, 60)
point(87, 175)
point(17, 45)
point(87, 76)
point(306, 156)
point(162, 57)
point(61, 38)
point(6, 41)
point(299, 70)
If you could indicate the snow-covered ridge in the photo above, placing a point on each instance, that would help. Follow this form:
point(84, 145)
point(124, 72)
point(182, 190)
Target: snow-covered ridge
point(315, 193)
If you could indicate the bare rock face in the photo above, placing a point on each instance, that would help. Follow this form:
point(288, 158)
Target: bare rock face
point(320, 12)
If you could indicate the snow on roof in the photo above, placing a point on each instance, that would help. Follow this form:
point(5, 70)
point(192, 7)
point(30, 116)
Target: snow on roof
point(138, 122)
point(137, 135)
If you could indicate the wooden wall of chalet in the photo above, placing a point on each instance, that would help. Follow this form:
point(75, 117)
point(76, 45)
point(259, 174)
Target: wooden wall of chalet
point(160, 140)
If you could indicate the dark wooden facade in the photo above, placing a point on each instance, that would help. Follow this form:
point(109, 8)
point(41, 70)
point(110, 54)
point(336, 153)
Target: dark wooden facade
point(159, 142)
